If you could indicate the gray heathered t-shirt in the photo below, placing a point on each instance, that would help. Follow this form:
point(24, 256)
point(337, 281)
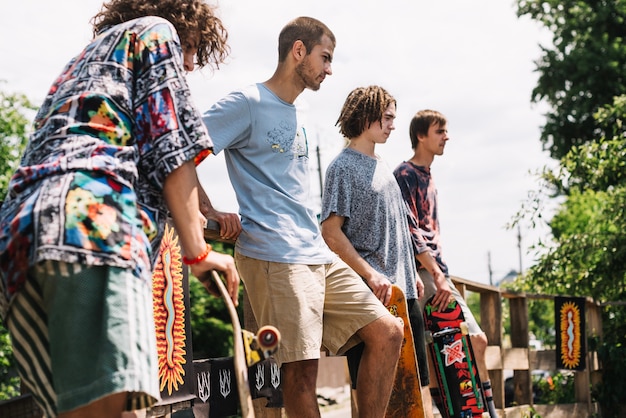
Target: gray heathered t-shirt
point(364, 191)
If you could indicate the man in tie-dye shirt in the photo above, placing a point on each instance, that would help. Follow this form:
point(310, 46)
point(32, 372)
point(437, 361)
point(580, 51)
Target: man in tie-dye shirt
point(112, 156)
point(429, 135)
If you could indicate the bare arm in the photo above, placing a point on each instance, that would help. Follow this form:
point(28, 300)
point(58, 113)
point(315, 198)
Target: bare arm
point(181, 195)
point(341, 245)
point(442, 296)
point(230, 224)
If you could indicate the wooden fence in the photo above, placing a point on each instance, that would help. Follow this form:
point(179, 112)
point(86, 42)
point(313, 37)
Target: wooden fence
point(519, 358)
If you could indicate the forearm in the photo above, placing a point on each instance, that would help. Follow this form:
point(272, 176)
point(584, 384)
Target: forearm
point(181, 195)
point(206, 207)
point(346, 251)
point(339, 243)
point(428, 262)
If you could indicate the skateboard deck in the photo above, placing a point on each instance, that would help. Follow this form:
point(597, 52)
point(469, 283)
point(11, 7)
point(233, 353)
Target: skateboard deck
point(406, 395)
point(460, 394)
point(249, 348)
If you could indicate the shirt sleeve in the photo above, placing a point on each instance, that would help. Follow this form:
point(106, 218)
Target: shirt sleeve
point(229, 122)
point(337, 193)
point(168, 127)
point(408, 187)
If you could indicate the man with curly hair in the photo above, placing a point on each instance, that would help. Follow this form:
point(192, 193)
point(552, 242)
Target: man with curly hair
point(112, 156)
point(293, 280)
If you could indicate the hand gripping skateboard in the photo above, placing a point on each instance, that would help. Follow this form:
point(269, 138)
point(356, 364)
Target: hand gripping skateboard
point(249, 348)
point(459, 386)
point(406, 395)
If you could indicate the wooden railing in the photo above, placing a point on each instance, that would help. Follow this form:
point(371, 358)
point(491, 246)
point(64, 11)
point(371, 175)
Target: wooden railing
point(522, 360)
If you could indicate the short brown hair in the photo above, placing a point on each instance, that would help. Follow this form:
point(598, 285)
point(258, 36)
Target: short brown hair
point(363, 106)
point(422, 121)
point(306, 29)
point(191, 18)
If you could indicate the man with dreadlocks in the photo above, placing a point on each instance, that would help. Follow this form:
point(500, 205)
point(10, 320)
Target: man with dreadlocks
point(112, 157)
point(364, 219)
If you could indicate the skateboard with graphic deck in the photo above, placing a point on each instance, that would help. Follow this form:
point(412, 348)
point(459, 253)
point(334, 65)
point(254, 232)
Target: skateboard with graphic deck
point(459, 386)
point(406, 396)
point(249, 348)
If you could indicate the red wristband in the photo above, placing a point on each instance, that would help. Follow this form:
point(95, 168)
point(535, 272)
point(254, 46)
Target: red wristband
point(190, 261)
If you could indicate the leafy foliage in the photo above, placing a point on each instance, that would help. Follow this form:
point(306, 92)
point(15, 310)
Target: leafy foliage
point(582, 70)
point(14, 129)
point(211, 328)
point(555, 389)
point(586, 254)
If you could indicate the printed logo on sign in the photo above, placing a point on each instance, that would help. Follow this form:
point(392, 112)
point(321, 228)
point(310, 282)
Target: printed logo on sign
point(275, 373)
point(204, 386)
point(225, 382)
point(260, 376)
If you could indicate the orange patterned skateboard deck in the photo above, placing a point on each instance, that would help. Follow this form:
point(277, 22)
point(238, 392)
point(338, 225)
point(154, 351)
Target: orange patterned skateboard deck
point(406, 396)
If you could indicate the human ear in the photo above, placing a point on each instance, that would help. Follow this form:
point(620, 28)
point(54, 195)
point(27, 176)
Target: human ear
point(298, 49)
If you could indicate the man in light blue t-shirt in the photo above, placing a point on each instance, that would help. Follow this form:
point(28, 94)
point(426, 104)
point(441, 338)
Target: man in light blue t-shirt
point(293, 280)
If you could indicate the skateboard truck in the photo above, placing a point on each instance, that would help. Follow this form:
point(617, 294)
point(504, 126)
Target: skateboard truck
point(260, 346)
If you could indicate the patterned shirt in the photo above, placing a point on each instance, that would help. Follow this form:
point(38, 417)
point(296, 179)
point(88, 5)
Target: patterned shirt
point(115, 124)
point(363, 190)
point(419, 191)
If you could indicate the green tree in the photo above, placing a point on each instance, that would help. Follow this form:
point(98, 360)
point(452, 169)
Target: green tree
point(583, 68)
point(14, 129)
point(211, 327)
point(586, 254)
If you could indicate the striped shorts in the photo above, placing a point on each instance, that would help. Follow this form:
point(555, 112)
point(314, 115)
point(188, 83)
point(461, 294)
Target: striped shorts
point(81, 333)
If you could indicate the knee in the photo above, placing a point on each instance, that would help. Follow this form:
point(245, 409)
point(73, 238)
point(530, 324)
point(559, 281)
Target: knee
point(387, 332)
point(395, 332)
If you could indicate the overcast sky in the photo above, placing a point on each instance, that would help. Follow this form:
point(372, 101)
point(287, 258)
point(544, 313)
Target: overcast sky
point(471, 60)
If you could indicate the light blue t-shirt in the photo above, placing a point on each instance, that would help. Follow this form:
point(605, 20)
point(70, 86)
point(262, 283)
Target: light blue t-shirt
point(267, 155)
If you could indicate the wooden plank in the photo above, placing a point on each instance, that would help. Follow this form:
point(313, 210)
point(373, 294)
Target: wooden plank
point(491, 316)
point(493, 358)
point(564, 410)
point(542, 359)
point(515, 359)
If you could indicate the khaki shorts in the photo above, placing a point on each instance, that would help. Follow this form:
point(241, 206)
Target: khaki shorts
point(311, 305)
point(430, 289)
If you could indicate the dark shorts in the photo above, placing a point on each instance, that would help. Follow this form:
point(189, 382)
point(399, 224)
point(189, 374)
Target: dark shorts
point(417, 326)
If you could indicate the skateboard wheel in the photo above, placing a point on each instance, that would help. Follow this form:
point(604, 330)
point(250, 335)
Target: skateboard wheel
point(268, 337)
point(428, 336)
point(464, 328)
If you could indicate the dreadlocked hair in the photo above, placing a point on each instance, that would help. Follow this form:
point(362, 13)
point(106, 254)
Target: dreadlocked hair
point(193, 20)
point(363, 106)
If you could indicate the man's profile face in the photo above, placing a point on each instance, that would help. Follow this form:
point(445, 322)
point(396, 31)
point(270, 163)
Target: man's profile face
point(316, 65)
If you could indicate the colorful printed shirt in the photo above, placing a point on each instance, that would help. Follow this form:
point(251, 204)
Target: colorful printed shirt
point(115, 123)
point(419, 191)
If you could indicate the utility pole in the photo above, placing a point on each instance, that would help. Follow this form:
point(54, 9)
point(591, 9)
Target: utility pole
point(519, 247)
point(319, 169)
point(489, 268)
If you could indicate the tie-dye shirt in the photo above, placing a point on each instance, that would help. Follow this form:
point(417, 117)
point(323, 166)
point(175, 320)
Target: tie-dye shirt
point(419, 192)
point(115, 124)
